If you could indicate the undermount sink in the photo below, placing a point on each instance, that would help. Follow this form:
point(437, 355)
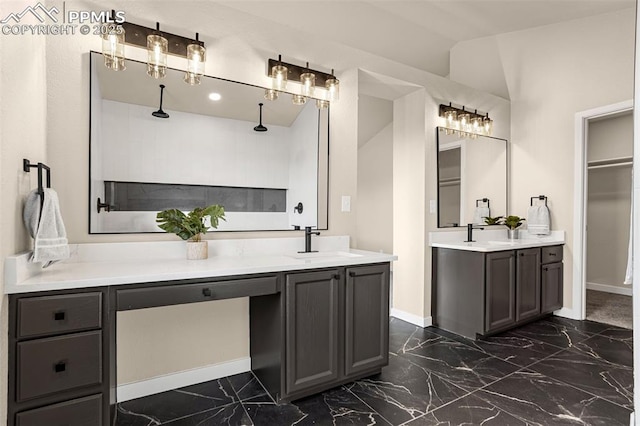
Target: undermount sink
point(324, 254)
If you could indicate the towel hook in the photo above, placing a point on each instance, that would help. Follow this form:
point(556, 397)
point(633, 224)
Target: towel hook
point(540, 197)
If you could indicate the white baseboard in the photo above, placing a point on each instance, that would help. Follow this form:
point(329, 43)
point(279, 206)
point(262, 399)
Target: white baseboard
point(180, 379)
point(627, 291)
point(568, 313)
point(411, 318)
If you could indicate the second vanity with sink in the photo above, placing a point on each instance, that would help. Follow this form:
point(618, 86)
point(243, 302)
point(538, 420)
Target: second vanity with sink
point(493, 284)
point(317, 320)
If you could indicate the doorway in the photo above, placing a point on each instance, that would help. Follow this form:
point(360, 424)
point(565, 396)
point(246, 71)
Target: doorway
point(600, 165)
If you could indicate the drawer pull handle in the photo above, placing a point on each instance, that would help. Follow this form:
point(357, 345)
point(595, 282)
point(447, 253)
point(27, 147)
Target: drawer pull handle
point(59, 316)
point(336, 276)
point(552, 254)
point(60, 367)
point(545, 269)
point(352, 274)
point(206, 292)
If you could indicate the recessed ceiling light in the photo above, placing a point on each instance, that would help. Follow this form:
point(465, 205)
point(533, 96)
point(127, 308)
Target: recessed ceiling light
point(215, 96)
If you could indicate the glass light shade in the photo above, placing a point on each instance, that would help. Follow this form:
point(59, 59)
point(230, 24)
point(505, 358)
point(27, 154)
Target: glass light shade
point(308, 81)
point(477, 125)
point(279, 76)
point(196, 56)
point(157, 47)
point(451, 117)
point(488, 125)
point(333, 87)
point(270, 94)
point(465, 122)
point(322, 104)
point(298, 100)
point(113, 50)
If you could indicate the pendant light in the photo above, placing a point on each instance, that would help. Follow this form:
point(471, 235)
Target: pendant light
point(279, 75)
point(260, 127)
point(308, 81)
point(113, 49)
point(333, 87)
point(157, 47)
point(160, 113)
point(195, 62)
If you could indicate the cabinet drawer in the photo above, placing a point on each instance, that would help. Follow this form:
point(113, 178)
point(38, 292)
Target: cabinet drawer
point(47, 315)
point(54, 364)
point(149, 297)
point(551, 254)
point(78, 412)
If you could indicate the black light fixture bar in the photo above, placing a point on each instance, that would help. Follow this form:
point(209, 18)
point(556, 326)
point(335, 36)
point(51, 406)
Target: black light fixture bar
point(472, 114)
point(294, 72)
point(136, 35)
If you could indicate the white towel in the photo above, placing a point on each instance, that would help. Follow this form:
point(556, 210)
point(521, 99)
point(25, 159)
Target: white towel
point(46, 227)
point(479, 214)
point(538, 220)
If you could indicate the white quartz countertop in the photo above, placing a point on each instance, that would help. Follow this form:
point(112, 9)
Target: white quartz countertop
point(23, 277)
point(489, 240)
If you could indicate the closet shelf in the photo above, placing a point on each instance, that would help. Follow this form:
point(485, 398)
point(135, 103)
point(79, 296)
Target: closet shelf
point(610, 162)
point(450, 181)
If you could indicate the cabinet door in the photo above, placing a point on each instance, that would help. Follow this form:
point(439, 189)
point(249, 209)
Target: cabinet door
point(527, 284)
point(551, 287)
point(366, 318)
point(312, 316)
point(500, 288)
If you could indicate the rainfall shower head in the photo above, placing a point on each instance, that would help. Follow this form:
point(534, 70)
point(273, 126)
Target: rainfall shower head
point(160, 113)
point(260, 127)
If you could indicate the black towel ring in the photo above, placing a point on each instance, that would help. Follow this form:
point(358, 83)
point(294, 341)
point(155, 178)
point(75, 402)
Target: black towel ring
point(484, 200)
point(540, 197)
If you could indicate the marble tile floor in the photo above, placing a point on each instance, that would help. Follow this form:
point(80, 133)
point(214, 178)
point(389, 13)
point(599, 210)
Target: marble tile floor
point(551, 372)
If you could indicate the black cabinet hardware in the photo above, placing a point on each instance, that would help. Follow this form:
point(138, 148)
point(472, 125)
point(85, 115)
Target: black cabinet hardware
point(59, 316)
point(206, 292)
point(60, 367)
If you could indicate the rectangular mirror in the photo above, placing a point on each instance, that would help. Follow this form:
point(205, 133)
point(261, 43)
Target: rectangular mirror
point(205, 152)
point(472, 176)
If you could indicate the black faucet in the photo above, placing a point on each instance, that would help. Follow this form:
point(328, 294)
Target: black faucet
point(470, 229)
point(307, 239)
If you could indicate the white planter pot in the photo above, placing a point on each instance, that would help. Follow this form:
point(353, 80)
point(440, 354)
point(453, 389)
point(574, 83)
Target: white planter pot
point(197, 250)
point(513, 234)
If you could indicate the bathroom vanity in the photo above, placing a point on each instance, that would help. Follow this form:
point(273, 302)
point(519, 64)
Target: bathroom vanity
point(317, 320)
point(491, 285)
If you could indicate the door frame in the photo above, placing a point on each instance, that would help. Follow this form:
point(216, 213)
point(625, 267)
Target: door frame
point(582, 118)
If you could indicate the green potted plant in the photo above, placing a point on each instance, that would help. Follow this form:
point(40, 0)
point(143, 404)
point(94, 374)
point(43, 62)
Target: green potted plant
point(513, 222)
point(492, 220)
point(191, 227)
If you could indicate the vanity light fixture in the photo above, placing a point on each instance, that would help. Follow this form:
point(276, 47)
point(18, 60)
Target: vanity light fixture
point(260, 127)
point(464, 122)
point(309, 79)
point(158, 44)
point(196, 54)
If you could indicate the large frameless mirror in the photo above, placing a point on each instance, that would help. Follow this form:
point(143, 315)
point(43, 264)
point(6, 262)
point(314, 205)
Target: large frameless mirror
point(472, 178)
point(202, 149)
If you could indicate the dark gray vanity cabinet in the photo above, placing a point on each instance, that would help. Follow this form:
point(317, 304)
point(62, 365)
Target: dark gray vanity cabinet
point(58, 346)
point(551, 281)
point(312, 320)
point(527, 284)
point(334, 329)
point(477, 293)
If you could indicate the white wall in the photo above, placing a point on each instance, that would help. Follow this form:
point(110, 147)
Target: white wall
point(23, 121)
point(551, 73)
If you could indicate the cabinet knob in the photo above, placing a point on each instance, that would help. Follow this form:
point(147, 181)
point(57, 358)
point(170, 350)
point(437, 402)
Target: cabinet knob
point(206, 292)
point(336, 276)
point(59, 316)
point(352, 274)
point(59, 367)
point(545, 269)
point(521, 254)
